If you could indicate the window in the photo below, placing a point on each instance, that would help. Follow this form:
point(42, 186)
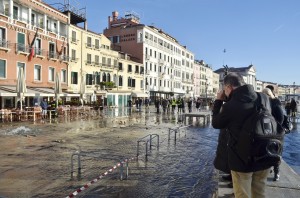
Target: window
point(97, 45)
point(96, 60)
point(74, 78)
point(109, 61)
point(120, 81)
point(89, 42)
point(37, 73)
point(142, 70)
point(2, 68)
point(73, 36)
point(15, 12)
point(129, 81)
point(137, 69)
point(52, 50)
point(89, 79)
point(37, 45)
point(103, 61)
point(129, 68)
point(115, 39)
point(89, 59)
point(21, 42)
point(3, 42)
point(51, 73)
point(63, 76)
point(120, 66)
point(32, 19)
point(73, 55)
point(142, 84)
point(97, 77)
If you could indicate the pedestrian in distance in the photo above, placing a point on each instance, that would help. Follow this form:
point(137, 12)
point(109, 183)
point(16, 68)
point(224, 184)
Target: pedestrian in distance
point(190, 103)
point(249, 179)
point(278, 114)
point(44, 106)
point(173, 104)
point(293, 107)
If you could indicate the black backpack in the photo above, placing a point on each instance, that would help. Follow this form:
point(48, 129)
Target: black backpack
point(261, 137)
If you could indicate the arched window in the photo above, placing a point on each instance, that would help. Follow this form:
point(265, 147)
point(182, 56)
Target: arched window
point(108, 77)
point(104, 77)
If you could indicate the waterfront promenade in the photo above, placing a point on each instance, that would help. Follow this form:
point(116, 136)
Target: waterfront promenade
point(36, 159)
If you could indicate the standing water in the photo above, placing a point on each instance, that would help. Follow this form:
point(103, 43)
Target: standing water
point(39, 154)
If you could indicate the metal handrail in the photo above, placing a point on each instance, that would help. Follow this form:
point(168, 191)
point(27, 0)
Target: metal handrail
point(176, 130)
point(147, 142)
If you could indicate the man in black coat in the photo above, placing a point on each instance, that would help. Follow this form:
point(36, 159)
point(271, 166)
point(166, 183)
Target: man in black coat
point(249, 180)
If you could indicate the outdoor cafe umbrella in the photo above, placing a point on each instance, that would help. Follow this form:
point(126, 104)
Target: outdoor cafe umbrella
point(21, 86)
point(82, 89)
point(57, 88)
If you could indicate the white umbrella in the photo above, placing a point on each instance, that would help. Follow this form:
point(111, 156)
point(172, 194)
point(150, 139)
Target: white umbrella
point(21, 86)
point(82, 89)
point(57, 88)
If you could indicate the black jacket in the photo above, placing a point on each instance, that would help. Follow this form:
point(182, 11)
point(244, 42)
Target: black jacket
point(221, 159)
point(232, 116)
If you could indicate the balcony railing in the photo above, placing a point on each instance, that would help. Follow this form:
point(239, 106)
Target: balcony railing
point(52, 55)
point(74, 40)
point(22, 48)
point(39, 52)
point(74, 59)
point(4, 43)
point(64, 58)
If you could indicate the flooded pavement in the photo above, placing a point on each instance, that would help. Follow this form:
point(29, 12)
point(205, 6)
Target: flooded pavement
point(36, 158)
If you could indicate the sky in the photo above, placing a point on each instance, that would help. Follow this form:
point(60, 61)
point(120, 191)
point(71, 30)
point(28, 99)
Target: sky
point(264, 33)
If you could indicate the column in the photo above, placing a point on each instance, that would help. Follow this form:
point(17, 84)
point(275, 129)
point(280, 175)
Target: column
point(45, 23)
point(29, 16)
point(11, 5)
point(58, 28)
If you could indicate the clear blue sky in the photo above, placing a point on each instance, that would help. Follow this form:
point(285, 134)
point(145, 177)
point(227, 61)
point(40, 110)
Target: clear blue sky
point(265, 33)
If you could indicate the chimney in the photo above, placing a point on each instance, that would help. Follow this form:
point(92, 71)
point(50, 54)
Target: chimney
point(85, 25)
point(109, 21)
point(115, 15)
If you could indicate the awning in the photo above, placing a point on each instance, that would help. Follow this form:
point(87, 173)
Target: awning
point(10, 91)
point(139, 95)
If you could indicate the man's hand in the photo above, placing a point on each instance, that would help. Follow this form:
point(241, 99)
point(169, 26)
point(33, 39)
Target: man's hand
point(221, 95)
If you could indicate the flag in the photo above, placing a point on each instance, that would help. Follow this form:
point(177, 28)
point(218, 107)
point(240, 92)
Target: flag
point(32, 46)
point(62, 47)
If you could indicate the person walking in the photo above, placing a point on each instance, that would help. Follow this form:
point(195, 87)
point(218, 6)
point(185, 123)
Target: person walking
point(249, 180)
point(190, 103)
point(173, 103)
point(293, 107)
point(44, 106)
point(278, 114)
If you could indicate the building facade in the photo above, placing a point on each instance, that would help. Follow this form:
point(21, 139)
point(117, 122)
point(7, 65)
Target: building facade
point(33, 36)
point(168, 65)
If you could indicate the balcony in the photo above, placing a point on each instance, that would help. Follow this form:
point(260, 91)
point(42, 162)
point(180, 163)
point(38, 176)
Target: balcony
point(4, 45)
point(161, 61)
point(40, 53)
point(22, 49)
point(74, 41)
point(97, 63)
point(52, 56)
point(64, 58)
point(74, 59)
point(88, 45)
point(96, 47)
point(88, 62)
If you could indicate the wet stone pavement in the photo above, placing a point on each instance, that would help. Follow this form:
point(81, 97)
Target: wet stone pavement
point(36, 158)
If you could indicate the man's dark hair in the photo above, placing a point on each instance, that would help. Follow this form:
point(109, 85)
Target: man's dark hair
point(234, 79)
point(270, 87)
